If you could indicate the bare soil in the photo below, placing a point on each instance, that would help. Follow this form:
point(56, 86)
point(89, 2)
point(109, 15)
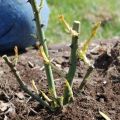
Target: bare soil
point(102, 92)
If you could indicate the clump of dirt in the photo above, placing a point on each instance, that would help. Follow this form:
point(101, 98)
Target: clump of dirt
point(101, 92)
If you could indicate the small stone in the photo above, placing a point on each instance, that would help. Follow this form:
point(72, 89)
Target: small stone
point(101, 100)
point(104, 82)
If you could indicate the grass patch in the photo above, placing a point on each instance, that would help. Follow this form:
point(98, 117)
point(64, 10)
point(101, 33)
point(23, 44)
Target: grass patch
point(88, 12)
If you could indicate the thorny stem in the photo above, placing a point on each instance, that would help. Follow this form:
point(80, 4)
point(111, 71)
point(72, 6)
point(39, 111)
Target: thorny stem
point(82, 55)
point(22, 85)
point(85, 79)
point(42, 40)
point(73, 62)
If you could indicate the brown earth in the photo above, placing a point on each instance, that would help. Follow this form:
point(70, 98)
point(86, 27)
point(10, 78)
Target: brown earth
point(102, 91)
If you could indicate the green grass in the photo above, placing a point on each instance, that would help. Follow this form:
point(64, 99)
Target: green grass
point(87, 12)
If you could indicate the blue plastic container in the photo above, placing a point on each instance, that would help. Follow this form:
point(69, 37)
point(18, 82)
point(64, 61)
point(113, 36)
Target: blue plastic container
point(17, 25)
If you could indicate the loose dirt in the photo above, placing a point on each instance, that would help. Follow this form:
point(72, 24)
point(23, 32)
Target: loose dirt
point(102, 92)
